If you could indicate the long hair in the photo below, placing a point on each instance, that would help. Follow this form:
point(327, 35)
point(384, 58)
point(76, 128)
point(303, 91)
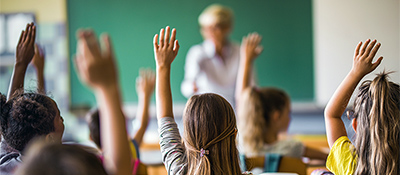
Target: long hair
point(254, 115)
point(210, 136)
point(26, 116)
point(377, 111)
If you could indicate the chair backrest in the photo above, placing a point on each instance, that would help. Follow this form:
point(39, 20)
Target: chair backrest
point(286, 164)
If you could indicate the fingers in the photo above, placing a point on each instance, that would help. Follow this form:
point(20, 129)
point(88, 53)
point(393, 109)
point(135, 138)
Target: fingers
point(21, 37)
point(377, 63)
point(176, 47)
point(369, 48)
point(90, 47)
point(173, 37)
point(78, 64)
point(166, 39)
point(108, 49)
point(155, 41)
point(374, 50)
point(357, 51)
point(259, 49)
point(24, 37)
point(364, 46)
point(33, 35)
point(161, 44)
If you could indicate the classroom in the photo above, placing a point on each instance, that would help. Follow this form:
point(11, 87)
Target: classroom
point(307, 50)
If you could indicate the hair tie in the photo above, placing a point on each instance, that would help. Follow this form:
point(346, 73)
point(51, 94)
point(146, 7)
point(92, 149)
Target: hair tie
point(204, 152)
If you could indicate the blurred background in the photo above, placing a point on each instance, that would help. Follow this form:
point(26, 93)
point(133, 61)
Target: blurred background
point(308, 47)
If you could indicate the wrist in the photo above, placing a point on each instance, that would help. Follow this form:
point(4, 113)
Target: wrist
point(144, 98)
point(20, 66)
point(356, 74)
point(164, 68)
point(111, 88)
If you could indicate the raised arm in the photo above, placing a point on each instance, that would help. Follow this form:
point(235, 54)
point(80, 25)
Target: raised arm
point(249, 50)
point(24, 55)
point(145, 87)
point(38, 62)
point(96, 68)
point(362, 65)
point(165, 51)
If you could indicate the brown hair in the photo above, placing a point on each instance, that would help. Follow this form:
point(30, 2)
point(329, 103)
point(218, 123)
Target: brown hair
point(93, 120)
point(210, 124)
point(377, 111)
point(254, 113)
point(45, 158)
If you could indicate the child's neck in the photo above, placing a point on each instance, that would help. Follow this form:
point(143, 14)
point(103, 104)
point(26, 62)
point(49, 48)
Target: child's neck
point(271, 136)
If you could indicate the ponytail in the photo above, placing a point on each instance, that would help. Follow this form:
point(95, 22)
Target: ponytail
point(378, 116)
point(254, 115)
point(210, 136)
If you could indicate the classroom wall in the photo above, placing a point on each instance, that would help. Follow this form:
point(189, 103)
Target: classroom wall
point(51, 18)
point(286, 27)
point(338, 27)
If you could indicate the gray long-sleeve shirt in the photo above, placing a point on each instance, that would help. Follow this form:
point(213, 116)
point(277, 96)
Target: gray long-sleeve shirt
point(172, 148)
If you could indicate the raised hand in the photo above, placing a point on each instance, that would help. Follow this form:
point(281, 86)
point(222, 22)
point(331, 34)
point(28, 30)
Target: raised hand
point(362, 62)
point(362, 65)
point(250, 47)
point(25, 46)
point(145, 83)
point(38, 63)
point(96, 66)
point(24, 55)
point(166, 49)
point(38, 58)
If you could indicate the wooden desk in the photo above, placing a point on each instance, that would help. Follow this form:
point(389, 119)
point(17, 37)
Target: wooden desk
point(314, 141)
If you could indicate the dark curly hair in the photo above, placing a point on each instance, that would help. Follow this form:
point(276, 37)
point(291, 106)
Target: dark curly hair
point(26, 116)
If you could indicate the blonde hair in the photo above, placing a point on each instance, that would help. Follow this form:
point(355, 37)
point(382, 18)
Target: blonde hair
point(210, 125)
point(254, 115)
point(377, 111)
point(216, 14)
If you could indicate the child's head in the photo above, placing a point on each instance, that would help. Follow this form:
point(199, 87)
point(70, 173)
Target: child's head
point(93, 119)
point(261, 111)
point(377, 123)
point(29, 115)
point(44, 158)
point(209, 135)
point(216, 22)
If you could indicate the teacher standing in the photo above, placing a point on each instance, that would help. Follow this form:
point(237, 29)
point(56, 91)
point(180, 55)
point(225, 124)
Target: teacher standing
point(212, 65)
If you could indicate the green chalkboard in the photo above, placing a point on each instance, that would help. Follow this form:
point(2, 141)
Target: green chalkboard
point(286, 27)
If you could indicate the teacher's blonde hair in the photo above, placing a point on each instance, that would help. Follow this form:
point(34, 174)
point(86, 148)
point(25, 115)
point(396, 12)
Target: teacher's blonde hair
point(216, 14)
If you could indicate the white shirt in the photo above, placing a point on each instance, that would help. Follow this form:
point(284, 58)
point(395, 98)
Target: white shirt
point(210, 73)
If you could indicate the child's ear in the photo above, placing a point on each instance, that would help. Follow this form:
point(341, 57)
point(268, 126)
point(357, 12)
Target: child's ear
point(276, 115)
point(354, 124)
point(49, 138)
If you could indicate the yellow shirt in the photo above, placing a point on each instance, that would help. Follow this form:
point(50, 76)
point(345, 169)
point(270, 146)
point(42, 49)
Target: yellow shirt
point(341, 159)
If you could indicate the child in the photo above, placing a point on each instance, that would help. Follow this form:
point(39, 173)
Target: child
point(264, 113)
point(96, 68)
point(209, 145)
point(25, 115)
point(145, 87)
point(376, 120)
